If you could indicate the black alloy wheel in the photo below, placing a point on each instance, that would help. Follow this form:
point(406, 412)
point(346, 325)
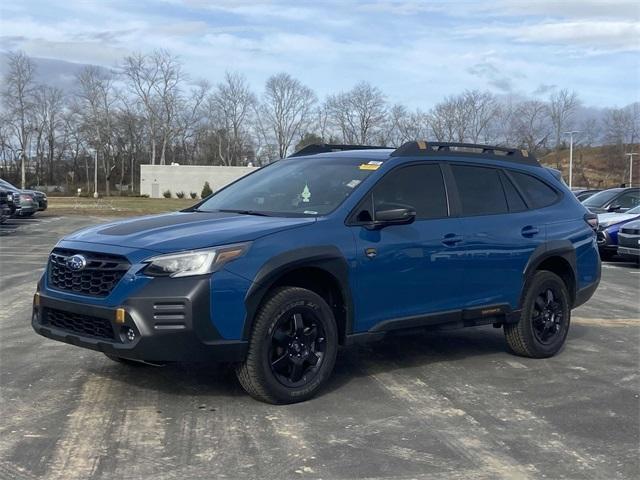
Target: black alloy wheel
point(544, 319)
point(548, 317)
point(292, 347)
point(298, 345)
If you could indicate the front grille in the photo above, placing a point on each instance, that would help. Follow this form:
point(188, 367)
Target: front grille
point(78, 323)
point(98, 278)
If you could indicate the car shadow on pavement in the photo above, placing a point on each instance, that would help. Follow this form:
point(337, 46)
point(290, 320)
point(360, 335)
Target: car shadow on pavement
point(395, 352)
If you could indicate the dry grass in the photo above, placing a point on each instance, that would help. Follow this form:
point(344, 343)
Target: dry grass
point(116, 206)
point(595, 167)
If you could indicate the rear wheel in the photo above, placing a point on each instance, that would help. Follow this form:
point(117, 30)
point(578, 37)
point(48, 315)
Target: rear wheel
point(545, 319)
point(292, 349)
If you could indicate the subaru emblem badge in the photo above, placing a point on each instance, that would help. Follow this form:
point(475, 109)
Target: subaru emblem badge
point(76, 263)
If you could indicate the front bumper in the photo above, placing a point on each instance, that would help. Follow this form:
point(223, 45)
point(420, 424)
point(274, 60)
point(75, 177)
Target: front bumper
point(170, 322)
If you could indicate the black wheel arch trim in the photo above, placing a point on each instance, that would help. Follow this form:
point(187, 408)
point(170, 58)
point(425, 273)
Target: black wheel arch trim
point(326, 258)
point(554, 248)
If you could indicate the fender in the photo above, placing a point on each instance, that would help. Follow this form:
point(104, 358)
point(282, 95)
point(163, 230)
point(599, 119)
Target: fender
point(327, 258)
point(553, 248)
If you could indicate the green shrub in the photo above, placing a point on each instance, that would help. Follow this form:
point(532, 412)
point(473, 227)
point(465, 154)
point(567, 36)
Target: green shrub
point(180, 194)
point(206, 190)
point(166, 194)
point(193, 195)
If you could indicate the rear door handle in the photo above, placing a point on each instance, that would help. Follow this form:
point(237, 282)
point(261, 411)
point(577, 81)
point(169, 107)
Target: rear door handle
point(451, 239)
point(529, 231)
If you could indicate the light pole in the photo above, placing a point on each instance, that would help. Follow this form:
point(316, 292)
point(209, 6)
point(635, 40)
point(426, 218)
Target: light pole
point(95, 173)
point(571, 155)
point(19, 153)
point(630, 155)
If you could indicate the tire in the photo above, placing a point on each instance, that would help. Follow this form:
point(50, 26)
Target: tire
point(124, 361)
point(292, 349)
point(545, 318)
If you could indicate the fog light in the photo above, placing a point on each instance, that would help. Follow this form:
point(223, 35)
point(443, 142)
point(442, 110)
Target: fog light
point(131, 335)
point(127, 334)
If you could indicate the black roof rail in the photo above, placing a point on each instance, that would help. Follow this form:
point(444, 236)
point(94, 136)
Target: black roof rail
point(420, 148)
point(330, 147)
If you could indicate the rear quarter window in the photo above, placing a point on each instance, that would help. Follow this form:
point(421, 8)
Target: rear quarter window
point(538, 194)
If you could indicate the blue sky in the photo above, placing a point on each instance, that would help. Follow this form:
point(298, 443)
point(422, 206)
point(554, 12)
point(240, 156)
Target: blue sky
point(416, 51)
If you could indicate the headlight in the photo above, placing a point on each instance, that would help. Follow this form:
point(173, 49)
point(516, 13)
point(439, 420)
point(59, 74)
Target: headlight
point(194, 262)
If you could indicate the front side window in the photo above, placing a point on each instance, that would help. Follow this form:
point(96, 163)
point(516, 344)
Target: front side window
point(420, 187)
point(293, 187)
point(480, 190)
point(628, 200)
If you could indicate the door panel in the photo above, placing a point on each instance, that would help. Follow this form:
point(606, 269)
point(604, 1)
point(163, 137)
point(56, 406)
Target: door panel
point(406, 270)
point(412, 273)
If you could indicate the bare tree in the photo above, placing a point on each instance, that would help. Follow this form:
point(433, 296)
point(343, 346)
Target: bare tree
point(359, 114)
point(530, 125)
point(19, 99)
point(480, 110)
point(562, 107)
point(231, 107)
point(443, 120)
point(285, 111)
point(97, 100)
point(156, 81)
point(404, 126)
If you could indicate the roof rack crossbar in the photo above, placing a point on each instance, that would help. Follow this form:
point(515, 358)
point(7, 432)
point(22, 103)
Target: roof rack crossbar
point(422, 148)
point(331, 147)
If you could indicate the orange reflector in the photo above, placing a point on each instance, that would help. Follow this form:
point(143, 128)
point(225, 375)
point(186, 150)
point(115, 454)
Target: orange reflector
point(422, 145)
point(36, 299)
point(120, 315)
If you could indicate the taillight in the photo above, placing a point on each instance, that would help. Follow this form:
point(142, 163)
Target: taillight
point(592, 220)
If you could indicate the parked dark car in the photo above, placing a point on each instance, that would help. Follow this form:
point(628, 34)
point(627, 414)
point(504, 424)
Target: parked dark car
point(613, 200)
point(42, 202)
point(629, 241)
point(583, 194)
point(21, 204)
point(337, 245)
point(609, 225)
point(5, 210)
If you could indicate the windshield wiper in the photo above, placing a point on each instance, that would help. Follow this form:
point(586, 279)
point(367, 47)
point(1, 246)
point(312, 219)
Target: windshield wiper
point(245, 212)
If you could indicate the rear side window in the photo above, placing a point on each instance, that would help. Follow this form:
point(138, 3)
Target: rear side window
point(418, 186)
point(538, 193)
point(480, 190)
point(514, 200)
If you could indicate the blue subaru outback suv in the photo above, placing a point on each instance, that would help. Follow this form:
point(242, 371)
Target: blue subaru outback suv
point(334, 245)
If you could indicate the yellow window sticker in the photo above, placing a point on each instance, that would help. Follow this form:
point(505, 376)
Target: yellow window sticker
point(370, 166)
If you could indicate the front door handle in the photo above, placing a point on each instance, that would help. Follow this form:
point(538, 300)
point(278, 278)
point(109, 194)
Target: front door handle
point(529, 231)
point(451, 239)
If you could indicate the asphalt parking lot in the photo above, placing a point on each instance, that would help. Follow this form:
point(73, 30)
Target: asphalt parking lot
point(443, 405)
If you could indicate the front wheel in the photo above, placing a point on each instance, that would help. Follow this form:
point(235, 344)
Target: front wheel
point(544, 323)
point(292, 349)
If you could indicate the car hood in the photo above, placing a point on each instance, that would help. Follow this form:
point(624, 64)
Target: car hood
point(615, 218)
point(186, 230)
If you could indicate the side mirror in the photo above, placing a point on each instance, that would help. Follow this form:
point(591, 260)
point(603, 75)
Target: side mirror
point(394, 216)
point(613, 207)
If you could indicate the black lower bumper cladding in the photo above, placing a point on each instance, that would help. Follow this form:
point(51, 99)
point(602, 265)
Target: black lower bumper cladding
point(163, 322)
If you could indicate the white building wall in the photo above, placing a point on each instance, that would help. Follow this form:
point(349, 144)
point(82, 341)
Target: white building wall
point(156, 179)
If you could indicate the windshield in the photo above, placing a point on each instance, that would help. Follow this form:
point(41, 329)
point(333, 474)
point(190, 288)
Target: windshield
point(600, 198)
point(297, 186)
point(6, 184)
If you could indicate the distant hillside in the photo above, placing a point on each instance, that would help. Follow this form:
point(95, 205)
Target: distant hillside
point(596, 167)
